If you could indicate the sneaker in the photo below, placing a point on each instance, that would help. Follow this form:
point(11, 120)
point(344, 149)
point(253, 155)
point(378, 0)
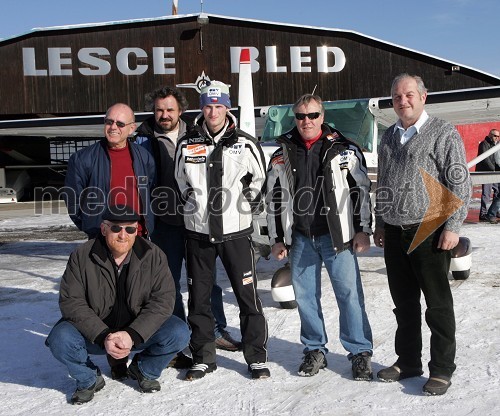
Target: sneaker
point(181, 361)
point(146, 385)
point(259, 370)
point(493, 220)
point(199, 370)
point(362, 366)
point(483, 218)
point(397, 372)
point(437, 385)
point(227, 343)
point(311, 364)
point(81, 396)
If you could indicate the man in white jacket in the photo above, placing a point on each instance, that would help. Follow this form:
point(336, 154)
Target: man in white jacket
point(220, 172)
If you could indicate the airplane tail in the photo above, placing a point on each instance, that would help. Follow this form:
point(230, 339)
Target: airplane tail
point(245, 94)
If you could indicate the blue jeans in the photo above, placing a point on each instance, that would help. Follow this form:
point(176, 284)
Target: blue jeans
point(494, 207)
point(306, 258)
point(72, 349)
point(487, 190)
point(170, 238)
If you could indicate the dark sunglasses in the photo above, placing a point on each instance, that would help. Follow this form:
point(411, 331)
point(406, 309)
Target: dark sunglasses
point(129, 229)
point(310, 116)
point(119, 124)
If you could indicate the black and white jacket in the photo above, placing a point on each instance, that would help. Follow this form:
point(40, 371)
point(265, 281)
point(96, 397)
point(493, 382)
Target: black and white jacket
point(220, 179)
point(342, 182)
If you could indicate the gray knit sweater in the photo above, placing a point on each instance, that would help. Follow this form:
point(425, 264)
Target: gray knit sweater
point(402, 196)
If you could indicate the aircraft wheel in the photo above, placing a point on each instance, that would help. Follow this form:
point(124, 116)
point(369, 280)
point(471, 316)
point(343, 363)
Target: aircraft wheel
point(289, 305)
point(461, 275)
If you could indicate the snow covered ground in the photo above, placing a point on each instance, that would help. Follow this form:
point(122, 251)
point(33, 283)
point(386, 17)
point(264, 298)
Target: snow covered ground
point(32, 382)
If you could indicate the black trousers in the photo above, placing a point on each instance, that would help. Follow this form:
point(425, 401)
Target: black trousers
point(424, 270)
point(238, 260)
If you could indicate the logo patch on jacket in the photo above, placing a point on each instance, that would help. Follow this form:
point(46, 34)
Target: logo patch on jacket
point(236, 149)
point(196, 140)
point(345, 157)
point(196, 150)
point(278, 158)
point(195, 159)
point(332, 136)
point(247, 278)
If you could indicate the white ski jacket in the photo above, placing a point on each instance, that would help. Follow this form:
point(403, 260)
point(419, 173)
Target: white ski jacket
point(220, 180)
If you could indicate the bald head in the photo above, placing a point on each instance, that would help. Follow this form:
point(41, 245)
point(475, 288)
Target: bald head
point(119, 124)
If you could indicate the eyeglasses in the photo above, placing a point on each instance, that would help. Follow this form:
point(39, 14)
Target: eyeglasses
point(129, 229)
point(310, 116)
point(119, 124)
point(496, 135)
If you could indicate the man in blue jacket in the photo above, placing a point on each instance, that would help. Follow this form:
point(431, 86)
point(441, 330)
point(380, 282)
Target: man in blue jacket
point(112, 171)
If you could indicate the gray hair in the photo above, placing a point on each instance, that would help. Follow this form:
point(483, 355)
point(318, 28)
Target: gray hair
point(420, 83)
point(306, 99)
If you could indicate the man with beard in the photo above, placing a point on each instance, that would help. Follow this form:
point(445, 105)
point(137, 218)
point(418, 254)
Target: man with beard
point(159, 134)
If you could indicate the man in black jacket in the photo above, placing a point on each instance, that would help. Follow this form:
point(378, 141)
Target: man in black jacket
point(117, 295)
point(488, 165)
point(319, 213)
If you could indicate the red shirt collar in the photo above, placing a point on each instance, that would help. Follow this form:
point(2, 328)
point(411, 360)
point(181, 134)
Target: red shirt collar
point(310, 142)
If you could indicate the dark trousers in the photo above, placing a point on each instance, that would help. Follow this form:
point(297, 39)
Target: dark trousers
point(171, 239)
point(238, 260)
point(424, 270)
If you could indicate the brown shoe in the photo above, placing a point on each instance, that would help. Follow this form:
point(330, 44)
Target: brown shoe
point(397, 372)
point(227, 343)
point(437, 385)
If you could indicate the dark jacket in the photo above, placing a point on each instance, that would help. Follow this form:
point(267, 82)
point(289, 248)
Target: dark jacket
point(164, 196)
point(88, 180)
point(339, 179)
point(488, 164)
point(88, 288)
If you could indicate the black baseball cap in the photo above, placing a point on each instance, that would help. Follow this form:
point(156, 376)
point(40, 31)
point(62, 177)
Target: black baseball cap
point(121, 213)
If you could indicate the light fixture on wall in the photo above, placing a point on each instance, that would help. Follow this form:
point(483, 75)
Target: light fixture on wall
point(202, 21)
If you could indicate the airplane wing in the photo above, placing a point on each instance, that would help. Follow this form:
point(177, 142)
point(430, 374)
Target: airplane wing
point(459, 107)
point(468, 106)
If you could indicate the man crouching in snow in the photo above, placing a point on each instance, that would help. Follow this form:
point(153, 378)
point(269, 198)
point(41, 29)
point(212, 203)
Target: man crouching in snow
point(117, 295)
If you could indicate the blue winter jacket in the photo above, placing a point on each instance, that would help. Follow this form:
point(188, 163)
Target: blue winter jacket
point(87, 185)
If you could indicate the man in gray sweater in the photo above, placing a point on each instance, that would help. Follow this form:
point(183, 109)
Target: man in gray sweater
point(423, 193)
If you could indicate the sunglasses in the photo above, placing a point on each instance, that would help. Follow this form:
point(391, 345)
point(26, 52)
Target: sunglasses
point(119, 124)
point(310, 116)
point(129, 229)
